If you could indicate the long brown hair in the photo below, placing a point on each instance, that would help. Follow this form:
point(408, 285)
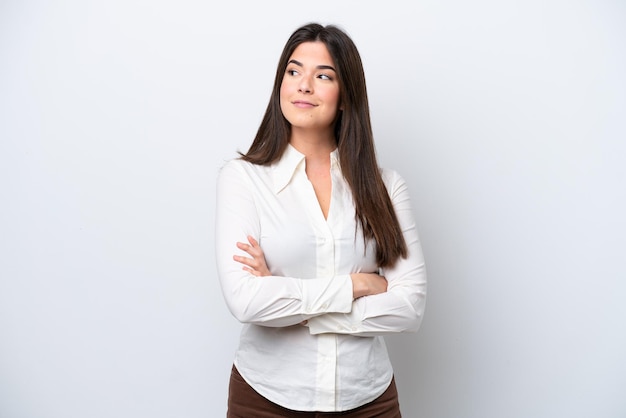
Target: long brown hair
point(353, 133)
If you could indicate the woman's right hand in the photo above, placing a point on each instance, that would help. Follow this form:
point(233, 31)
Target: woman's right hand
point(366, 284)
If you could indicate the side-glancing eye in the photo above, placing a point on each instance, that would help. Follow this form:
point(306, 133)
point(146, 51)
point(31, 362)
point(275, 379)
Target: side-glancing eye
point(291, 71)
point(325, 77)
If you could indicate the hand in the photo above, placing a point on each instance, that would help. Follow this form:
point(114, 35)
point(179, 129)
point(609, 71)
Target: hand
point(366, 284)
point(256, 265)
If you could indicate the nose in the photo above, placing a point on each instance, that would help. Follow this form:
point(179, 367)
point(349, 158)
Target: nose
point(305, 85)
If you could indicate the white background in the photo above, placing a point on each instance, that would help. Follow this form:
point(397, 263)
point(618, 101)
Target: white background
point(507, 118)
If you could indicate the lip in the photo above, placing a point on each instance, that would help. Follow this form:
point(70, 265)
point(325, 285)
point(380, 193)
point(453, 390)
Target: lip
point(303, 104)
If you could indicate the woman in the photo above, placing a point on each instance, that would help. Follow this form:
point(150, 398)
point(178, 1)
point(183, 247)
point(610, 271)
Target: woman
point(327, 258)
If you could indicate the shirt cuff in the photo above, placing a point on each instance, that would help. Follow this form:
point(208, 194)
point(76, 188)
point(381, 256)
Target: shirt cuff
point(320, 296)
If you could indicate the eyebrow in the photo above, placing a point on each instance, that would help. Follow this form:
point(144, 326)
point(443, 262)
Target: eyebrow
point(319, 67)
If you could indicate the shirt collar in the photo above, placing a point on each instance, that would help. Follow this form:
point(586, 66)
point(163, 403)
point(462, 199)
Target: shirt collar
point(291, 161)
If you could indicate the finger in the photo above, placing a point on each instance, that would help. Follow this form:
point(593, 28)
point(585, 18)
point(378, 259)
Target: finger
point(245, 260)
point(243, 246)
point(254, 248)
point(251, 271)
point(252, 241)
point(253, 264)
point(253, 251)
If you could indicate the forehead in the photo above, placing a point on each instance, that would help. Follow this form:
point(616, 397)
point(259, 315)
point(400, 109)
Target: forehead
point(312, 53)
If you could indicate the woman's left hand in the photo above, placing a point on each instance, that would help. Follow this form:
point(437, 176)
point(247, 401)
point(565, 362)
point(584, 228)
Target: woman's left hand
point(256, 265)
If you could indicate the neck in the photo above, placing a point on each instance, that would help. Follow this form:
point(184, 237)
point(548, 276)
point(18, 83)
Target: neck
point(313, 144)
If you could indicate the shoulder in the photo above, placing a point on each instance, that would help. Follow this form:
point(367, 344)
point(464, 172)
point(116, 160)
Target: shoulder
point(239, 167)
point(239, 172)
point(397, 189)
point(391, 177)
point(395, 184)
point(234, 164)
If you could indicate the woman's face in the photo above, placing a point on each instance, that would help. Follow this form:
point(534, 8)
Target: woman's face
point(309, 93)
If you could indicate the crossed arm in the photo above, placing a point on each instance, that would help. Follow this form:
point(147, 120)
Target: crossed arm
point(358, 304)
point(363, 284)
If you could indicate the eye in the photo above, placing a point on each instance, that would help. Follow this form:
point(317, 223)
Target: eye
point(325, 77)
point(291, 71)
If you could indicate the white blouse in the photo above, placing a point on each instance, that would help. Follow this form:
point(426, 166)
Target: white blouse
point(338, 361)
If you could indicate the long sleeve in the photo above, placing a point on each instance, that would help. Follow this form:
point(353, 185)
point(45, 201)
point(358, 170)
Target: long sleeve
point(327, 365)
point(275, 301)
point(399, 309)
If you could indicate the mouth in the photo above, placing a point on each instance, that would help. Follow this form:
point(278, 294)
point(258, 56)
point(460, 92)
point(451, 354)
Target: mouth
point(303, 104)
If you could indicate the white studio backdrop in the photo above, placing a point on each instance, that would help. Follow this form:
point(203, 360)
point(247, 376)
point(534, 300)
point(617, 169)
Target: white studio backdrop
point(505, 117)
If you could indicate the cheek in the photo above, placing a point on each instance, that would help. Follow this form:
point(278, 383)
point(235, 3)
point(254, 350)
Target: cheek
point(332, 97)
point(287, 88)
point(288, 85)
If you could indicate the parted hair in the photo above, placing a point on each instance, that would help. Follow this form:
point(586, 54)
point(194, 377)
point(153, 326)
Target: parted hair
point(353, 133)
